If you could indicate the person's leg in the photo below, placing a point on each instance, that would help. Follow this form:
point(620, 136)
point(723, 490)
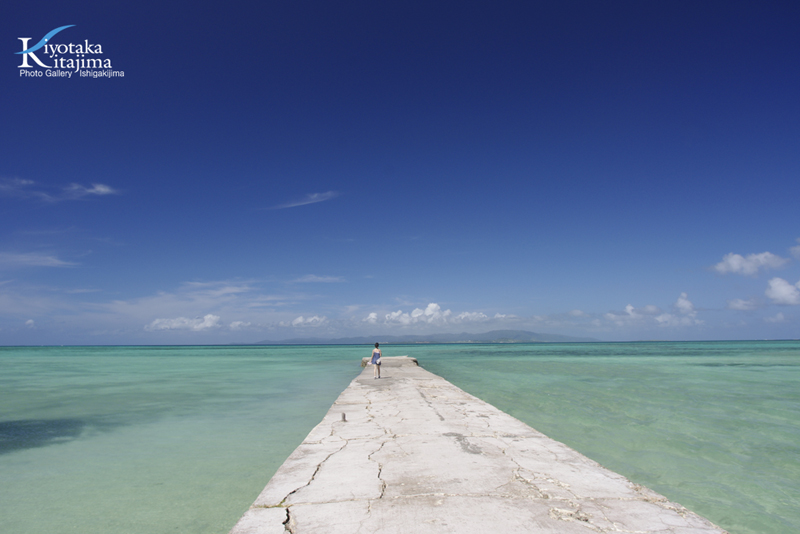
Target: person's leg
point(375, 370)
point(379, 370)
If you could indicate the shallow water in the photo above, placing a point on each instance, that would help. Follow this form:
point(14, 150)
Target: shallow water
point(182, 439)
point(153, 439)
point(714, 426)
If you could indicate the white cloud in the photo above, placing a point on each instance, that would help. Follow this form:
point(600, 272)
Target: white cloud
point(743, 305)
point(31, 259)
point(432, 314)
point(398, 317)
point(796, 250)
point(323, 279)
point(183, 323)
point(685, 306)
point(631, 314)
point(308, 321)
point(577, 313)
point(471, 317)
point(735, 263)
point(29, 323)
point(685, 314)
point(311, 198)
point(782, 292)
point(239, 325)
point(777, 318)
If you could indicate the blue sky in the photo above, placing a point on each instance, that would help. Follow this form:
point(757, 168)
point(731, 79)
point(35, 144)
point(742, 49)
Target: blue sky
point(617, 170)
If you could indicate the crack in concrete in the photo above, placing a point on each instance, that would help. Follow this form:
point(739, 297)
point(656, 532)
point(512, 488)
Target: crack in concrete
point(380, 466)
point(314, 474)
point(288, 524)
point(380, 470)
point(429, 403)
point(574, 515)
point(518, 477)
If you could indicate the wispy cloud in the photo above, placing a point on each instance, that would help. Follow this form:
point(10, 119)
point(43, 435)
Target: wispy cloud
point(75, 191)
point(49, 232)
point(212, 290)
point(742, 305)
point(311, 198)
point(214, 306)
point(17, 187)
point(31, 259)
point(20, 188)
point(777, 318)
point(183, 311)
point(315, 278)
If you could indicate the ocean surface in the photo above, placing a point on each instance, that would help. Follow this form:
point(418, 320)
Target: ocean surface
point(182, 439)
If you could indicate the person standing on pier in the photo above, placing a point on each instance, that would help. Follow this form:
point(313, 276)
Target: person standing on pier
point(376, 362)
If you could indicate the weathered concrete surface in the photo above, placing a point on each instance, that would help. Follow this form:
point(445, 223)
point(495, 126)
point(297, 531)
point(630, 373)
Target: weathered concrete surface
point(418, 455)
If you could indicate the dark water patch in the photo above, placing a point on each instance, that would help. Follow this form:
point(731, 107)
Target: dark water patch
point(29, 433)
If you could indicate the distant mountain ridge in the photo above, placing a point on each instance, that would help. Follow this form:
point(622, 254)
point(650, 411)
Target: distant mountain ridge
point(495, 336)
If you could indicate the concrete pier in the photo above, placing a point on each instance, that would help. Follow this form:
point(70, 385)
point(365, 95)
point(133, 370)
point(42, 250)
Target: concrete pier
point(415, 454)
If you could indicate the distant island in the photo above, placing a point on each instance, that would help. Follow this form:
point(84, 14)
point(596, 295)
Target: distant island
point(495, 336)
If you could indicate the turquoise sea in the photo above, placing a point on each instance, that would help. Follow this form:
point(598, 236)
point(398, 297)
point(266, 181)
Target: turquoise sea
point(182, 439)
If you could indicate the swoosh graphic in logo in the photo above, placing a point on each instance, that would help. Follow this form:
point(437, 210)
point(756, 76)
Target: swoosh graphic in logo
point(44, 40)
